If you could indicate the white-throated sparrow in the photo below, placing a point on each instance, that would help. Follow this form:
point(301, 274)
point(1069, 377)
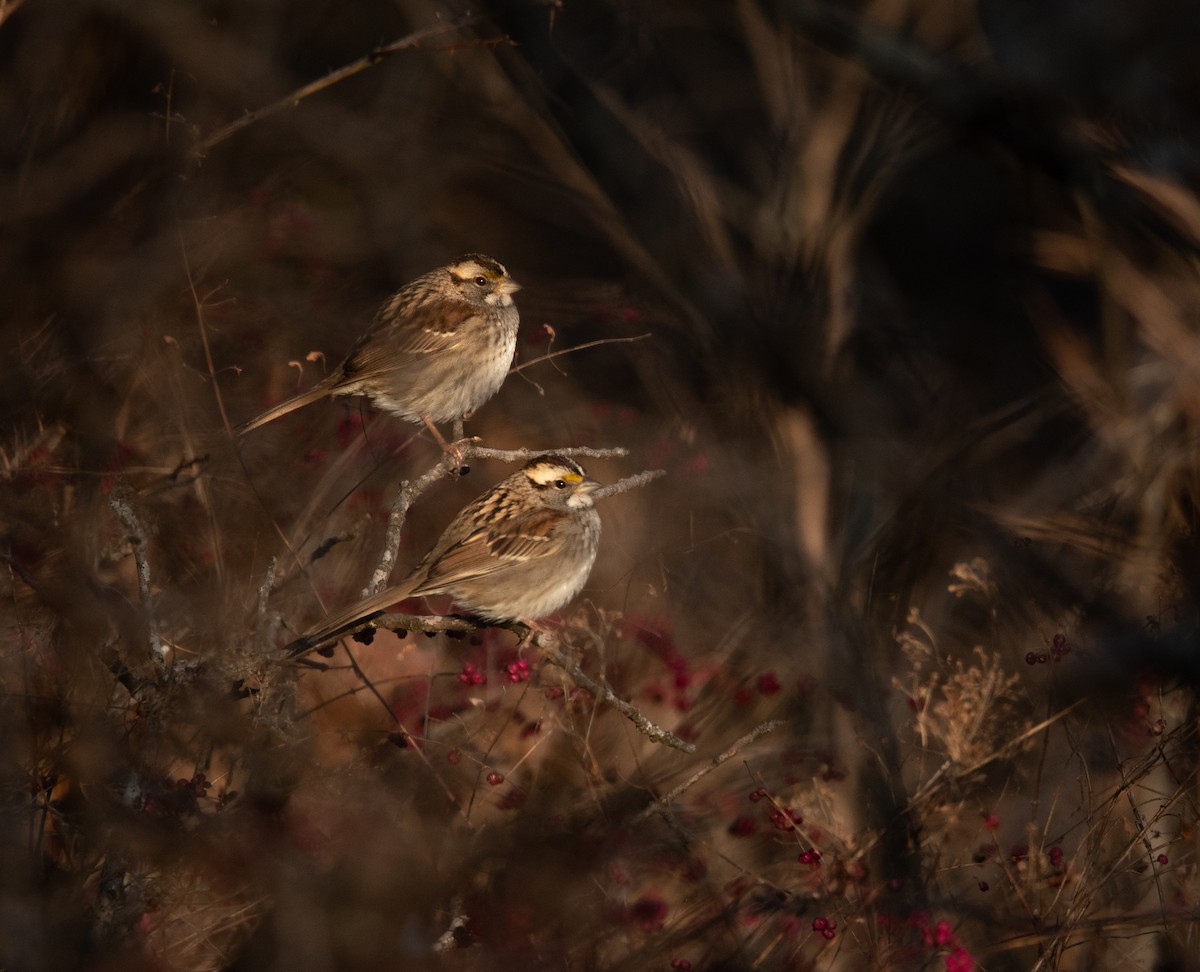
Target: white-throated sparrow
point(437, 349)
point(519, 552)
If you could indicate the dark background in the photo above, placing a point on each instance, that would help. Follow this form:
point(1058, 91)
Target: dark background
point(919, 280)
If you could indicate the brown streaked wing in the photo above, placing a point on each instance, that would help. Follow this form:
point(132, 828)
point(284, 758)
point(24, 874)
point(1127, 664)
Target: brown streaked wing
point(487, 550)
point(432, 328)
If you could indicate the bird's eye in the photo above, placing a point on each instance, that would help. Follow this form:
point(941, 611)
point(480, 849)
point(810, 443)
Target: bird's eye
point(481, 281)
point(560, 484)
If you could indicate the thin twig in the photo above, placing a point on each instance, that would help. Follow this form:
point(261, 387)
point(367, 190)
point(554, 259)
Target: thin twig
point(604, 694)
point(549, 356)
point(1008, 749)
point(663, 804)
point(369, 60)
point(137, 537)
point(215, 533)
point(628, 483)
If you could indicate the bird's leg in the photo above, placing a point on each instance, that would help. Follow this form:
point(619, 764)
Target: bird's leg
point(453, 448)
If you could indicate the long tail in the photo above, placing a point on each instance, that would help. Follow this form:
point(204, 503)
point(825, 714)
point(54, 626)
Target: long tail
point(319, 390)
point(353, 617)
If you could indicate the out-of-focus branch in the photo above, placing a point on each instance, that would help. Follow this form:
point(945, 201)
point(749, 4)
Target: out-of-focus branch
point(137, 538)
point(1035, 131)
point(411, 42)
point(8, 8)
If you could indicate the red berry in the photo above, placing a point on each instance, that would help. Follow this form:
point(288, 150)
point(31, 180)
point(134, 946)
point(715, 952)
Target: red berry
point(494, 778)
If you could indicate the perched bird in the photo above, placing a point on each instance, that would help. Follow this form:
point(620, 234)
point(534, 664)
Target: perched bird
point(439, 348)
point(517, 553)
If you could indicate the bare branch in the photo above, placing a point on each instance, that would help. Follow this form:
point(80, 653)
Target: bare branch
point(369, 60)
point(628, 483)
point(524, 455)
point(409, 490)
point(663, 804)
point(603, 693)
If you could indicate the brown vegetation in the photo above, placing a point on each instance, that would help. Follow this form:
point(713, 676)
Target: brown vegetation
point(914, 606)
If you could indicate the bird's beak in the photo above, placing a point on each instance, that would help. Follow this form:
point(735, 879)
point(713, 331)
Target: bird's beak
point(588, 486)
point(509, 286)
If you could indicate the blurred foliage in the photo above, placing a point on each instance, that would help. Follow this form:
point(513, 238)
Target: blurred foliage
point(920, 284)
